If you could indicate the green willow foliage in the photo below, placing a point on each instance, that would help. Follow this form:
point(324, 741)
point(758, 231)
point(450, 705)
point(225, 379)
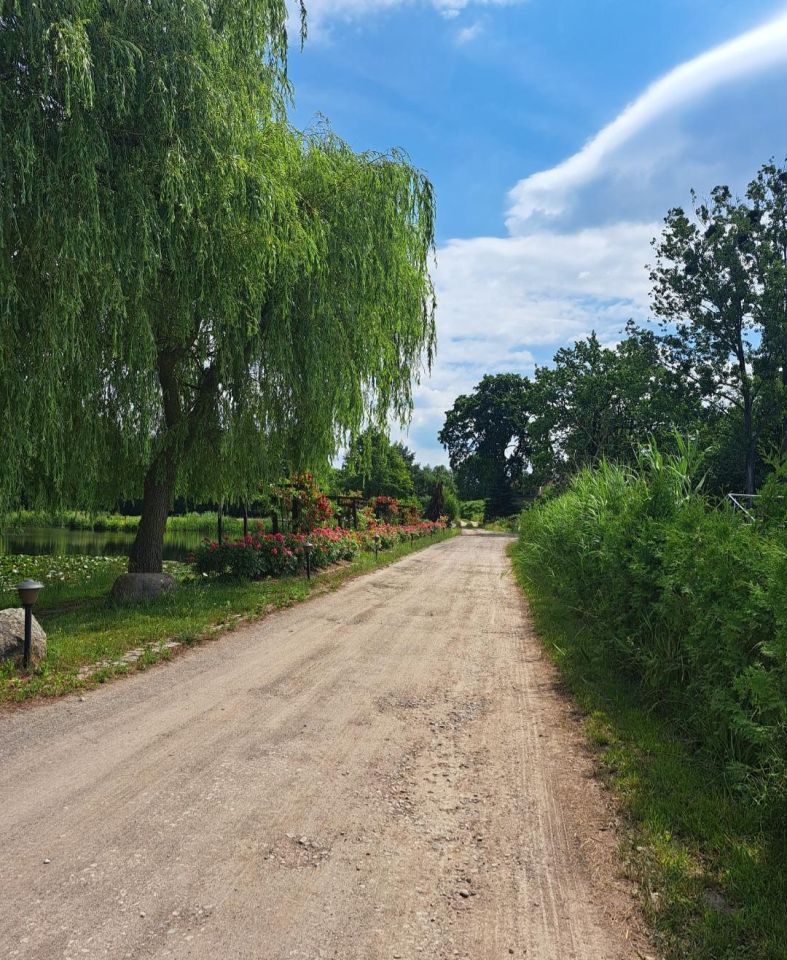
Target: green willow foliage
point(191, 292)
point(686, 599)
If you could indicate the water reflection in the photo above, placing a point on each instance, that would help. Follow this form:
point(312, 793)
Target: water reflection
point(34, 541)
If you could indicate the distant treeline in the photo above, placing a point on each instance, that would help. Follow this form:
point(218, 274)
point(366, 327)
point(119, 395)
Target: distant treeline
point(713, 367)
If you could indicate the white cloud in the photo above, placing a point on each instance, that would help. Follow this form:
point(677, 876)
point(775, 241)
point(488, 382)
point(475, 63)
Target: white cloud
point(322, 11)
point(504, 302)
point(451, 8)
point(469, 33)
point(550, 191)
point(507, 284)
point(579, 233)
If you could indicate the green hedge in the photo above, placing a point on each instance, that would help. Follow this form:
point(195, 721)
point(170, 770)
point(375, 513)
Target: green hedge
point(685, 598)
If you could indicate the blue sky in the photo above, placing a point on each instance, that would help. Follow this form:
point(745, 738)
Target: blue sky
point(557, 135)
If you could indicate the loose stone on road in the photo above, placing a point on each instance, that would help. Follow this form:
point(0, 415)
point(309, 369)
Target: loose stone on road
point(386, 771)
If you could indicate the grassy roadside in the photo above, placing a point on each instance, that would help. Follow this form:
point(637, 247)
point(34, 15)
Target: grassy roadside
point(712, 871)
point(84, 627)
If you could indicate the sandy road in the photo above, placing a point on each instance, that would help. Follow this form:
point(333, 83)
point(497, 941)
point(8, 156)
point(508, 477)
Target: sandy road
point(383, 772)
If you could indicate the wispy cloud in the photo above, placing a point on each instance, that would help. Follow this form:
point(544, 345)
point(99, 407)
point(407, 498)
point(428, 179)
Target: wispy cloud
point(469, 33)
point(548, 192)
point(451, 8)
point(322, 11)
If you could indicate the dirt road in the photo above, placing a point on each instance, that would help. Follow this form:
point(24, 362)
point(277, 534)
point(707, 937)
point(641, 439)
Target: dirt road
point(383, 772)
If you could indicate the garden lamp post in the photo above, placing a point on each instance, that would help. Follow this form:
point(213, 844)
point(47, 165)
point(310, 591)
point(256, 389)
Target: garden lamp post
point(376, 545)
point(28, 594)
point(308, 547)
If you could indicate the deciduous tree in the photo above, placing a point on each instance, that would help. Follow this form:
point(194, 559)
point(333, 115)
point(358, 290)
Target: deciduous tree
point(485, 433)
point(709, 298)
point(191, 293)
point(376, 467)
point(595, 402)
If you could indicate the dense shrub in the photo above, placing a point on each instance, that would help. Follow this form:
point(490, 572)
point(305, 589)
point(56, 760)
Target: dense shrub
point(301, 499)
point(273, 554)
point(386, 509)
point(410, 510)
point(450, 506)
point(472, 510)
point(281, 554)
point(688, 599)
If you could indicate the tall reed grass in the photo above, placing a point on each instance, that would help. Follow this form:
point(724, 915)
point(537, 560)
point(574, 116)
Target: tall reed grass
point(682, 597)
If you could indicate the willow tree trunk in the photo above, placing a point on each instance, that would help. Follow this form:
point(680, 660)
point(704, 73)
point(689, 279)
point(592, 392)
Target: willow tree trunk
point(147, 551)
point(184, 425)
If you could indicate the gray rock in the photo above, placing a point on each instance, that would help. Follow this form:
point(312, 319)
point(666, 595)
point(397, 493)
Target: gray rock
point(139, 587)
point(12, 635)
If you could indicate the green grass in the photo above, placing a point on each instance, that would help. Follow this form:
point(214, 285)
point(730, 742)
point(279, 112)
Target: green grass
point(504, 524)
point(113, 522)
point(85, 627)
point(712, 869)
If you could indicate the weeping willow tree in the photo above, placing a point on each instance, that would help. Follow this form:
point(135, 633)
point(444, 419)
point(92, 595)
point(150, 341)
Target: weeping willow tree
point(191, 293)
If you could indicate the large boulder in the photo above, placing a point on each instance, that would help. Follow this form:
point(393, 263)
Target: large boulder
point(139, 587)
point(12, 636)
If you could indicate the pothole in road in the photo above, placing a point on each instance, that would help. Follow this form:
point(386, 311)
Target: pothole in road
point(294, 852)
point(391, 702)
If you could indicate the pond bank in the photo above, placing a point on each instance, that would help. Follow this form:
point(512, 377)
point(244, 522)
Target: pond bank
point(62, 542)
point(73, 533)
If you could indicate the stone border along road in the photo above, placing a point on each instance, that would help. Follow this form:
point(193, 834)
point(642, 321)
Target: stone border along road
point(386, 771)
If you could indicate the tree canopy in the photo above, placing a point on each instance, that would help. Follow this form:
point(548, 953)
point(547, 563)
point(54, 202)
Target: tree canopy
point(377, 468)
point(720, 292)
point(485, 433)
point(424, 476)
point(513, 434)
point(192, 293)
point(596, 402)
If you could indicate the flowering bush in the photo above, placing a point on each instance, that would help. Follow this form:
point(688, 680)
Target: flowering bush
point(410, 510)
point(301, 497)
point(385, 509)
point(262, 554)
point(319, 512)
point(392, 533)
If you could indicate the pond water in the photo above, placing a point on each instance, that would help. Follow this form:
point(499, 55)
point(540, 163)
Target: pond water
point(59, 541)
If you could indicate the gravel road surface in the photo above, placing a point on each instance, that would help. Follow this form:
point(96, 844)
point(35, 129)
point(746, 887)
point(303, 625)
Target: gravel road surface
point(385, 771)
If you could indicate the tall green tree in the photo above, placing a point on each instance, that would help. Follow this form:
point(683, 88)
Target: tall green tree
point(486, 436)
point(191, 293)
point(424, 476)
point(767, 196)
point(595, 402)
point(718, 289)
point(376, 467)
point(513, 434)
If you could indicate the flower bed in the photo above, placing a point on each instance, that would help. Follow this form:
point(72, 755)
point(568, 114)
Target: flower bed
point(263, 554)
